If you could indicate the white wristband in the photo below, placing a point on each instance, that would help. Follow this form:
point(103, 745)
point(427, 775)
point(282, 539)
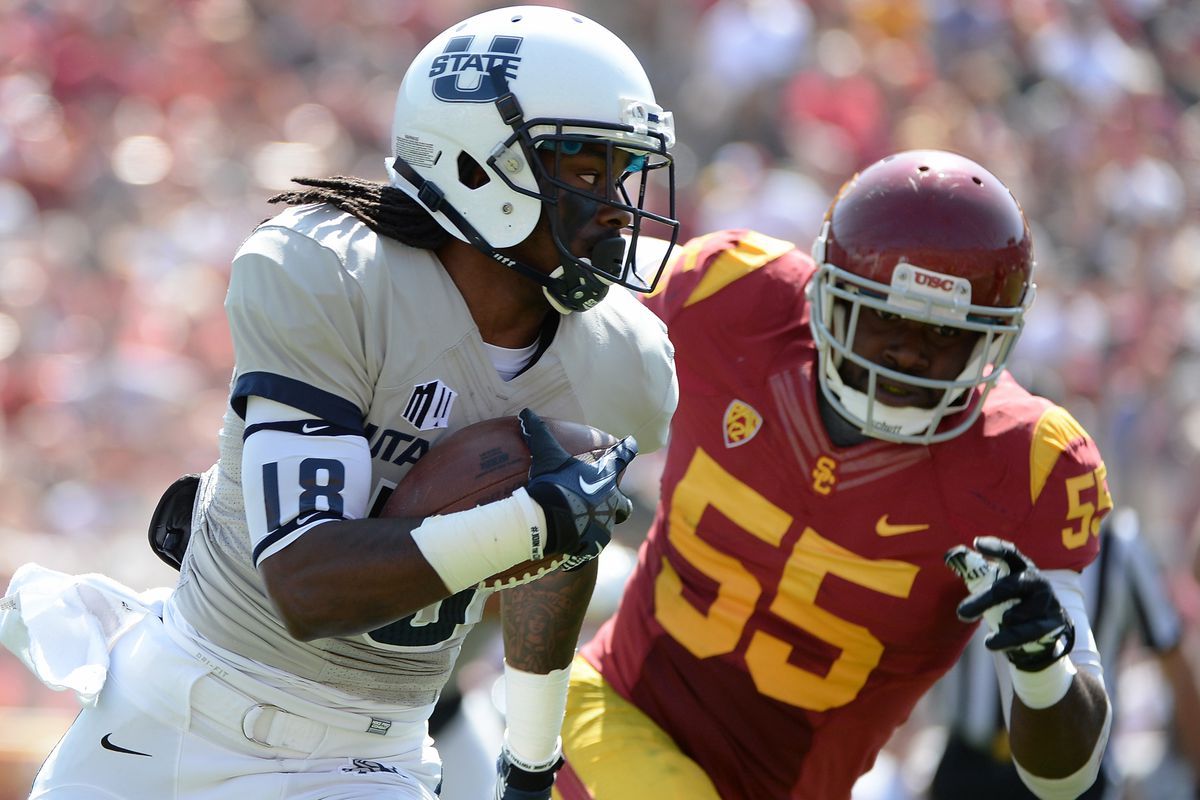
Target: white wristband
point(534, 706)
point(1044, 688)
point(466, 547)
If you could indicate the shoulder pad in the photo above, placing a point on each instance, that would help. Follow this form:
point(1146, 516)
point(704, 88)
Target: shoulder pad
point(720, 260)
point(708, 264)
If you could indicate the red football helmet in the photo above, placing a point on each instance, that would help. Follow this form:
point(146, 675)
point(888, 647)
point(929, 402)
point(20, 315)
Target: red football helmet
point(930, 236)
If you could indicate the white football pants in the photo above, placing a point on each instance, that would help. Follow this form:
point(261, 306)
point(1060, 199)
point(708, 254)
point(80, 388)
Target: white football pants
point(166, 728)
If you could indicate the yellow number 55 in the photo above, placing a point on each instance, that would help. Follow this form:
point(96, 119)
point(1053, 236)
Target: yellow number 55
point(718, 630)
point(1084, 511)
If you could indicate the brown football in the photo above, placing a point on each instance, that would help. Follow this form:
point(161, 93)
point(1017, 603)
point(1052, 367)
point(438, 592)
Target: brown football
point(478, 464)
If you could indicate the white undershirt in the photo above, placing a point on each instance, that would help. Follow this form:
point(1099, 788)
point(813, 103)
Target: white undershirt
point(509, 361)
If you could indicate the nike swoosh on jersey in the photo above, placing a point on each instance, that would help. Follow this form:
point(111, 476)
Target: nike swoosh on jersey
point(885, 528)
point(592, 488)
point(108, 745)
point(309, 428)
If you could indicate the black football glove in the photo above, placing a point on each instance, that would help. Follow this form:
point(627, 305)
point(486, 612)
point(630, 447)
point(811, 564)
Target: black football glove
point(1033, 631)
point(580, 498)
point(515, 782)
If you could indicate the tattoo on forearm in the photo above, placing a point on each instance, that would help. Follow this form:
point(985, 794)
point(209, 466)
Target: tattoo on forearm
point(542, 619)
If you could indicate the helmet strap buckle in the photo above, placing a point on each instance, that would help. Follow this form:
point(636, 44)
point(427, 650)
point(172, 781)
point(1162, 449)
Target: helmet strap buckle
point(506, 102)
point(431, 195)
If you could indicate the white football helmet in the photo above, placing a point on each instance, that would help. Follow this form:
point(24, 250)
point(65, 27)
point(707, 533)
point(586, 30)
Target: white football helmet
point(495, 88)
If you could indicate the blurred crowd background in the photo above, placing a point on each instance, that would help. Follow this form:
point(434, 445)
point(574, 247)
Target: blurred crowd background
point(140, 140)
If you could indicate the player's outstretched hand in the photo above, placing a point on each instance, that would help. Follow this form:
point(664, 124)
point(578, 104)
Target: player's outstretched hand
point(518, 782)
point(580, 498)
point(1031, 628)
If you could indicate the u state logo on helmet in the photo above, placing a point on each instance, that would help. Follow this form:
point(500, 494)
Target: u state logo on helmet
point(460, 76)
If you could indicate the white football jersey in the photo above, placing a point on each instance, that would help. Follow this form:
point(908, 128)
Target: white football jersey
point(373, 336)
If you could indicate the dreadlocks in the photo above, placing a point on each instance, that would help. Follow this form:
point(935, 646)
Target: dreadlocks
point(382, 208)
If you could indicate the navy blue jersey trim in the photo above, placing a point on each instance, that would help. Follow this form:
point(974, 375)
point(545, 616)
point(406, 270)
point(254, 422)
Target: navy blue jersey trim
point(304, 427)
point(297, 394)
point(291, 527)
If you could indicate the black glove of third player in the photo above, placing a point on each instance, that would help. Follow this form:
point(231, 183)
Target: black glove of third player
point(1034, 631)
point(580, 498)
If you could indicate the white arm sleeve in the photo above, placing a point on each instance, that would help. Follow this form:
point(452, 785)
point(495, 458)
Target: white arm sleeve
point(298, 472)
point(1086, 658)
point(534, 708)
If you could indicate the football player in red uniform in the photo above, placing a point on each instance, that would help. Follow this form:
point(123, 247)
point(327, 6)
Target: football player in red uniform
point(845, 421)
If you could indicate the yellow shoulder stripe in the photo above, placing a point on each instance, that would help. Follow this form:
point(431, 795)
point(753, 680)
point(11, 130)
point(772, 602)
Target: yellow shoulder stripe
point(1055, 431)
point(752, 251)
point(685, 257)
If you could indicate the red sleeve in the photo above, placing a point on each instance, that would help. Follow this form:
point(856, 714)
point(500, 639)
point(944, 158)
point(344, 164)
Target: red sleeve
point(1042, 475)
point(1068, 487)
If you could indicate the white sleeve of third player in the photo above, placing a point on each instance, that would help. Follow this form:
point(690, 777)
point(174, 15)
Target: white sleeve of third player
point(298, 472)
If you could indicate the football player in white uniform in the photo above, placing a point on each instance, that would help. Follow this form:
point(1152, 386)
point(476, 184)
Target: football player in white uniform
point(304, 647)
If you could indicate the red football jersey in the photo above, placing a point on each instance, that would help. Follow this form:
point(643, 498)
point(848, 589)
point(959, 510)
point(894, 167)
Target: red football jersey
point(791, 603)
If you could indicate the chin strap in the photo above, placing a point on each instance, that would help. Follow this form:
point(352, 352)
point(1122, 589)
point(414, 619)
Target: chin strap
point(589, 288)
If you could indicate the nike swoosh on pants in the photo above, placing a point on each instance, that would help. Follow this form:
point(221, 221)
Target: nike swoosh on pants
point(107, 744)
